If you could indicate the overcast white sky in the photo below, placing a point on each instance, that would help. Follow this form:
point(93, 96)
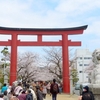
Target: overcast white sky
point(53, 14)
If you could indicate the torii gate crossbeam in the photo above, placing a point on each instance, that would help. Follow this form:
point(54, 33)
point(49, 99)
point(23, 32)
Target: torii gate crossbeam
point(64, 32)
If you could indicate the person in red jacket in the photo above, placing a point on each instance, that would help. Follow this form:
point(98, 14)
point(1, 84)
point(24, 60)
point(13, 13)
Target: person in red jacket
point(54, 90)
point(22, 96)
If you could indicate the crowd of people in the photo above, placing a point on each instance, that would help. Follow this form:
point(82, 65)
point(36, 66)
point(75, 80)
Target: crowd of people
point(30, 90)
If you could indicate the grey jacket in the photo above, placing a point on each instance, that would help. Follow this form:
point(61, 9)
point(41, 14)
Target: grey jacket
point(39, 95)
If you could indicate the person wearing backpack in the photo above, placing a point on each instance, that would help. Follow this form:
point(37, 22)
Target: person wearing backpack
point(86, 94)
point(54, 90)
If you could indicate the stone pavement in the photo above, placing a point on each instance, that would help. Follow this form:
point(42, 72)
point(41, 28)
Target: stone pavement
point(63, 97)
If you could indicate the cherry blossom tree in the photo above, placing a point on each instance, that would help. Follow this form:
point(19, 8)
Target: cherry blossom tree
point(27, 66)
point(54, 63)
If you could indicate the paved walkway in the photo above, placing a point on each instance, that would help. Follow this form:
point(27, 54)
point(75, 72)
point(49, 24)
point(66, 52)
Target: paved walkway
point(63, 97)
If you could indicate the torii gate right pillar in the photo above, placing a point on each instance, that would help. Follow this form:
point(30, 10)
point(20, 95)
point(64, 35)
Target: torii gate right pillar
point(65, 54)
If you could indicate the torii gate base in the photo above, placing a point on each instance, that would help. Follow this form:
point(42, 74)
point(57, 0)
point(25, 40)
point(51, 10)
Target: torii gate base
point(64, 32)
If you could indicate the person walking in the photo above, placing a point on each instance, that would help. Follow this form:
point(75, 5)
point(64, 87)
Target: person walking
point(4, 88)
point(86, 94)
point(1, 97)
point(9, 89)
point(32, 91)
point(48, 87)
point(33, 84)
point(44, 90)
point(60, 88)
point(18, 89)
point(54, 90)
point(5, 97)
point(13, 96)
point(39, 93)
point(22, 96)
point(29, 95)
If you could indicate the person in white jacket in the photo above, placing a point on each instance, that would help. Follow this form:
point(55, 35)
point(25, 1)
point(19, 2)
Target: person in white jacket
point(18, 89)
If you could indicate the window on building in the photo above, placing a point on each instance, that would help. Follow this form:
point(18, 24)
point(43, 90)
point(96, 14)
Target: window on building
point(80, 64)
point(80, 57)
point(80, 71)
point(86, 64)
point(87, 57)
point(87, 77)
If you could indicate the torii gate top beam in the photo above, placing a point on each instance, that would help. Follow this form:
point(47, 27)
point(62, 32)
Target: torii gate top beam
point(46, 31)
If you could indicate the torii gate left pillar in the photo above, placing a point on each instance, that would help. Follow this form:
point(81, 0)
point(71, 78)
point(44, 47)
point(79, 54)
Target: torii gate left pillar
point(13, 69)
point(64, 32)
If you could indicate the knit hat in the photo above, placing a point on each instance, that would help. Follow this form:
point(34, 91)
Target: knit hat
point(86, 88)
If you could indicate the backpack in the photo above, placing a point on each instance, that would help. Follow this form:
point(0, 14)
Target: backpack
point(88, 96)
point(55, 88)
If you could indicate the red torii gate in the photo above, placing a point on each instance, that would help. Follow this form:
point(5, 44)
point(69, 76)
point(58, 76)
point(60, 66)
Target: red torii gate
point(64, 32)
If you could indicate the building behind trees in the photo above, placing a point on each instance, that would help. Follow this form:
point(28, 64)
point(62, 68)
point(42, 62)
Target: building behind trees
point(84, 56)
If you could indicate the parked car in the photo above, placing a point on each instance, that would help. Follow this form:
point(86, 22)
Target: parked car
point(79, 88)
